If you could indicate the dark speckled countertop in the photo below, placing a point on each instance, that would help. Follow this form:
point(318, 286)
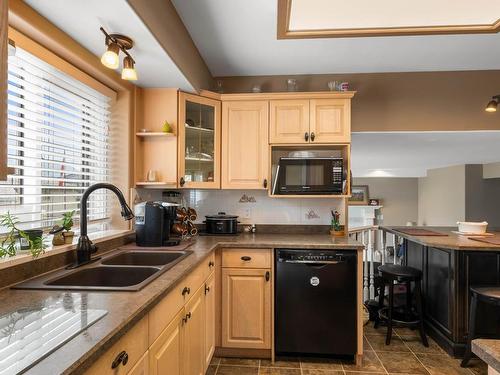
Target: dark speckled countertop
point(124, 309)
point(489, 351)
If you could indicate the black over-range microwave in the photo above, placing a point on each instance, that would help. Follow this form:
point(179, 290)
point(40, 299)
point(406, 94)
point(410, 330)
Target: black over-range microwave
point(310, 175)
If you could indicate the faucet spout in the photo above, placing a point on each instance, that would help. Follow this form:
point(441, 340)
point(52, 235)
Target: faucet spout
point(85, 248)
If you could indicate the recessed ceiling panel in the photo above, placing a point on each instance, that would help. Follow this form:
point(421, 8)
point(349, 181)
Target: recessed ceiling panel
point(330, 18)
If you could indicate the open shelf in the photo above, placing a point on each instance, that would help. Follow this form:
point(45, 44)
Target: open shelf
point(154, 134)
point(200, 129)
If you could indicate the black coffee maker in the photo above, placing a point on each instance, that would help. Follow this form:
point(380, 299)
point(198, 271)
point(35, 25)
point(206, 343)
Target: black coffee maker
point(152, 223)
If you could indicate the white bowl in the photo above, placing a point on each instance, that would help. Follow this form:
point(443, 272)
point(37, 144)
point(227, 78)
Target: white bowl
point(472, 227)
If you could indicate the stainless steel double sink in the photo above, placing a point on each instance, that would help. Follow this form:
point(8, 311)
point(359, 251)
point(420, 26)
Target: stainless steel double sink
point(123, 270)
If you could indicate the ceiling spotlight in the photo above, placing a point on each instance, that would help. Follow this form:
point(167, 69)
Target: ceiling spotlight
point(110, 58)
point(114, 44)
point(493, 104)
point(128, 71)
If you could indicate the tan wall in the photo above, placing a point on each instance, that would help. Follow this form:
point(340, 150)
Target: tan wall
point(441, 196)
point(402, 101)
point(399, 197)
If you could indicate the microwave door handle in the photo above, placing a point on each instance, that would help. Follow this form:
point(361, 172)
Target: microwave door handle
point(276, 179)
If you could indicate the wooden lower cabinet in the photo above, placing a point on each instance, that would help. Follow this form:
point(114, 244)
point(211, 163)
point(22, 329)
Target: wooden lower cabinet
point(194, 334)
point(141, 367)
point(246, 308)
point(166, 353)
point(209, 319)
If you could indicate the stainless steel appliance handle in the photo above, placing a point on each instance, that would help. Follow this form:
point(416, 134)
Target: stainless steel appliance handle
point(314, 261)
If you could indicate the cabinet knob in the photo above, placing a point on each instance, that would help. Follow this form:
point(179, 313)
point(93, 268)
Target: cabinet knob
point(313, 136)
point(246, 258)
point(265, 183)
point(306, 137)
point(268, 276)
point(211, 264)
point(120, 358)
point(207, 289)
point(182, 181)
point(186, 290)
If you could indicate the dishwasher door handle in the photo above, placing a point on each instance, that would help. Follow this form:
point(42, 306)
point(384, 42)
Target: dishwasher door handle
point(314, 261)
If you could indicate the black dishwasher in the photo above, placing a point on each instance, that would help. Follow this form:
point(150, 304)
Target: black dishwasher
point(315, 302)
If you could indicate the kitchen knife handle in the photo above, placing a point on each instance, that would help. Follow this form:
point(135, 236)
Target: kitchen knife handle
point(246, 258)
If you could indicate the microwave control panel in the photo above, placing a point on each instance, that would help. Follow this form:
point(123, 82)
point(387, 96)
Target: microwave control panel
point(337, 171)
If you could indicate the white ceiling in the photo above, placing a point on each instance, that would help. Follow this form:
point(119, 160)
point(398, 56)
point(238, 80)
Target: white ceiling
point(81, 19)
point(238, 37)
point(412, 154)
point(341, 14)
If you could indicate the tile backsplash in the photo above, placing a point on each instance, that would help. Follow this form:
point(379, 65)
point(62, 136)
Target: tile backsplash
point(255, 206)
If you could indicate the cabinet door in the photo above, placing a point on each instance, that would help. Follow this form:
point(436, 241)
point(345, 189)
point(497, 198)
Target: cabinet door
point(166, 353)
point(141, 367)
point(199, 142)
point(289, 121)
point(330, 121)
point(209, 319)
point(246, 308)
point(245, 145)
point(194, 334)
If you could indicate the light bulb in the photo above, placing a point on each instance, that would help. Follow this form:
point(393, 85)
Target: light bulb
point(129, 73)
point(110, 58)
point(492, 106)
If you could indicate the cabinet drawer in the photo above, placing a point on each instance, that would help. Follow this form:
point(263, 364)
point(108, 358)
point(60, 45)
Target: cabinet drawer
point(246, 258)
point(134, 343)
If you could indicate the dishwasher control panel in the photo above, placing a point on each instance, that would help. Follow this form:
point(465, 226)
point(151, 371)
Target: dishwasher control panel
point(304, 256)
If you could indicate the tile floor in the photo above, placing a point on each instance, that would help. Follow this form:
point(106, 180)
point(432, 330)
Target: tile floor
point(406, 355)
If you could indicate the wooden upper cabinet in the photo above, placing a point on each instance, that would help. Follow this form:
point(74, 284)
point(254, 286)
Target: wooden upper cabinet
point(330, 121)
point(289, 121)
point(245, 144)
point(199, 142)
point(3, 88)
point(246, 308)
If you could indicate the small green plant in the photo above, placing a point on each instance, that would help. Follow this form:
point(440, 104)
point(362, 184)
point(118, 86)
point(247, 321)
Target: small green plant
point(8, 245)
point(67, 220)
point(336, 221)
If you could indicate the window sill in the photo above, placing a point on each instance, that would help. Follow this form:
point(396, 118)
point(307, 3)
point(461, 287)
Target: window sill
point(96, 237)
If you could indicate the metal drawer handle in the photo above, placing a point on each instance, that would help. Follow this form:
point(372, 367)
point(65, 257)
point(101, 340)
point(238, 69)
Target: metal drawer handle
point(306, 137)
point(186, 290)
point(313, 136)
point(207, 289)
point(268, 276)
point(120, 358)
point(211, 264)
point(186, 317)
point(265, 183)
point(246, 258)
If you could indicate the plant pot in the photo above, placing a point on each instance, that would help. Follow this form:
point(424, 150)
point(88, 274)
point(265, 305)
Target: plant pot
point(337, 233)
point(68, 237)
point(58, 239)
point(32, 234)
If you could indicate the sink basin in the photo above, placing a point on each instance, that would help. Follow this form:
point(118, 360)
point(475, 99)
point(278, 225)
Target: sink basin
point(144, 258)
point(105, 277)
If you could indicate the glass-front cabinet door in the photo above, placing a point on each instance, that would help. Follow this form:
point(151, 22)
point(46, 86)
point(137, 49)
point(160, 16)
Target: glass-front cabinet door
point(199, 142)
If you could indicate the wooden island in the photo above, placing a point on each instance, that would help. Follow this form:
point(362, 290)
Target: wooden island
point(451, 264)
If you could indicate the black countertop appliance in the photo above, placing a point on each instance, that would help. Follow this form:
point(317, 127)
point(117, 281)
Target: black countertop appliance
point(221, 224)
point(315, 302)
point(152, 223)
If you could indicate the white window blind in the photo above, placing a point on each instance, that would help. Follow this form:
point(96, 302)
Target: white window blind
point(58, 144)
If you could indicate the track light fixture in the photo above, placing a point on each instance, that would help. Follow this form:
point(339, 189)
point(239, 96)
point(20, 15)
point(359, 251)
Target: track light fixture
point(493, 104)
point(111, 59)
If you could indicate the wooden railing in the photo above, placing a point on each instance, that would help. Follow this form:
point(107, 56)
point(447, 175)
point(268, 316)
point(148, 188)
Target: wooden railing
point(377, 250)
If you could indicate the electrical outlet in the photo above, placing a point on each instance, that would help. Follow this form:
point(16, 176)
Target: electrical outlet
point(247, 213)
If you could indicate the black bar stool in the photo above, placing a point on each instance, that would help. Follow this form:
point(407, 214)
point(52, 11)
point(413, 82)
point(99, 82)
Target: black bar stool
point(391, 273)
point(490, 295)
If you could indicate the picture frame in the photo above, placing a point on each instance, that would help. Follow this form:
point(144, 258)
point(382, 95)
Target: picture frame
point(359, 195)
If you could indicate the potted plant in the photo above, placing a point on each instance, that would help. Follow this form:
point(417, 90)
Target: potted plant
point(336, 230)
point(67, 224)
point(31, 239)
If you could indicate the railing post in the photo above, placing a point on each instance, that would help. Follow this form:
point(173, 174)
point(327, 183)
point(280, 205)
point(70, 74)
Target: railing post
point(371, 249)
point(383, 238)
point(365, 268)
point(396, 241)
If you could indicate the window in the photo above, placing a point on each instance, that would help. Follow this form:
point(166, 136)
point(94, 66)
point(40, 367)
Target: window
point(58, 145)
